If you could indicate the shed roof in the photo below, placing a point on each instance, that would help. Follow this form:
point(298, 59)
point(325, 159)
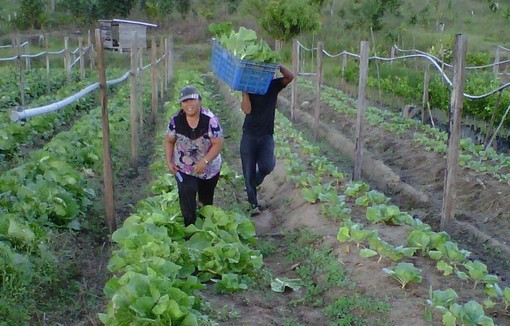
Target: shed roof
point(123, 21)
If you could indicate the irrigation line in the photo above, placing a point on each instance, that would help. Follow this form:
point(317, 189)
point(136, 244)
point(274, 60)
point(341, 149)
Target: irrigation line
point(11, 46)
point(19, 115)
point(449, 65)
point(42, 53)
point(434, 61)
point(503, 48)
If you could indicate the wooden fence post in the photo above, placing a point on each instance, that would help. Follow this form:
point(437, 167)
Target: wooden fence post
point(344, 64)
point(162, 77)
point(134, 111)
point(82, 59)
point(170, 52)
point(67, 60)
point(318, 84)
point(167, 55)
point(27, 58)
point(360, 121)
point(154, 79)
point(495, 69)
point(21, 72)
point(425, 113)
point(107, 157)
point(91, 51)
point(452, 159)
point(295, 65)
point(47, 49)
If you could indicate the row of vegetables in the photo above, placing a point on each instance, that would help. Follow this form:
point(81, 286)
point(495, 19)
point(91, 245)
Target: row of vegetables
point(48, 192)
point(473, 156)
point(322, 183)
point(159, 265)
point(16, 138)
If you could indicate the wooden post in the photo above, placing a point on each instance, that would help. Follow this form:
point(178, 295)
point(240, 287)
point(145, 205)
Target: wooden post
point(162, 77)
point(140, 55)
point(154, 79)
point(47, 49)
point(495, 69)
point(21, 72)
point(134, 111)
point(295, 65)
point(91, 51)
point(170, 58)
point(166, 65)
point(107, 157)
point(318, 83)
point(360, 121)
point(67, 60)
point(344, 64)
point(27, 58)
point(452, 159)
point(82, 59)
point(392, 53)
point(140, 87)
point(425, 114)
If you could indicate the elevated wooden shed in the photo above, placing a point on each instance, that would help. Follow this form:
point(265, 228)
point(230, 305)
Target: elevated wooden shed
point(117, 34)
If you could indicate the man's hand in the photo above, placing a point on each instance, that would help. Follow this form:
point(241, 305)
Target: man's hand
point(246, 103)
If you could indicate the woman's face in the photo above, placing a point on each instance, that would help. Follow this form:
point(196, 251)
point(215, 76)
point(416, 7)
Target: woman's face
point(191, 107)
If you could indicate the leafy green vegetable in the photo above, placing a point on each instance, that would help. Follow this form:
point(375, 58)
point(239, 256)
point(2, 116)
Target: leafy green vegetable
point(404, 273)
point(245, 45)
point(389, 214)
point(471, 313)
point(280, 284)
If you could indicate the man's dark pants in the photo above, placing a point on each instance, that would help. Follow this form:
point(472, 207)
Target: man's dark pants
point(188, 189)
point(257, 158)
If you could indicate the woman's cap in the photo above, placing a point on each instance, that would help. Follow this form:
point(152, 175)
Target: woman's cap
point(189, 92)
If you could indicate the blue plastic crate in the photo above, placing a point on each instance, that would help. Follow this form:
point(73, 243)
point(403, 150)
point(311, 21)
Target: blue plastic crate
point(242, 75)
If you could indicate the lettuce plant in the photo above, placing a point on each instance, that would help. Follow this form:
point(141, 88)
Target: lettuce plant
point(389, 214)
point(477, 271)
point(404, 273)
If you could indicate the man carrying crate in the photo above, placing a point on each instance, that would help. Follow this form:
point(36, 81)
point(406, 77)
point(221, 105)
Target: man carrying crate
point(257, 143)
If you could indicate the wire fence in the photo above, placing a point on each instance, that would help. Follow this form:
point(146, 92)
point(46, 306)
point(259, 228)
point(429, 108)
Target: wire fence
point(437, 63)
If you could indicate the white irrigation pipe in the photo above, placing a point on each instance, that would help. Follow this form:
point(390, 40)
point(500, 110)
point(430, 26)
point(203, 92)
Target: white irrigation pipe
point(18, 115)
point(449, 65)
point(503, 48)
point(433, 60)
point(11, 46)
point(42, 53)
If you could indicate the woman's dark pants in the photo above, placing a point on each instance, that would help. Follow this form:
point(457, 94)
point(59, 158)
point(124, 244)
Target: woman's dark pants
point(188, 189)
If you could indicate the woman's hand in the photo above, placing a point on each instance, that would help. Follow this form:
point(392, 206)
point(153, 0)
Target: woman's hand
point(200, 167)
point(172, 168)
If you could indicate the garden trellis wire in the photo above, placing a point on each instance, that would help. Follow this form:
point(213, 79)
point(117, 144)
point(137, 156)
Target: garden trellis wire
point(419, 54)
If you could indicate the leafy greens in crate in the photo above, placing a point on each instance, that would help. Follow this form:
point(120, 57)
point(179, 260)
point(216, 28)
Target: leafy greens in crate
point(245, 45)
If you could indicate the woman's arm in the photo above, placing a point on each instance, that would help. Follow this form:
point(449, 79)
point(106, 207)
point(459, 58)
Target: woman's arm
point(169, 153)
point(246, 103)
point(214, 151)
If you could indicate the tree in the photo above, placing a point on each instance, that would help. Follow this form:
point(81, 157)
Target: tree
point(158, 9)
point(114, 8)
point(366, 14)
point(84, 11)
point(284, 20)
point(31, 14)
point(183, 7)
